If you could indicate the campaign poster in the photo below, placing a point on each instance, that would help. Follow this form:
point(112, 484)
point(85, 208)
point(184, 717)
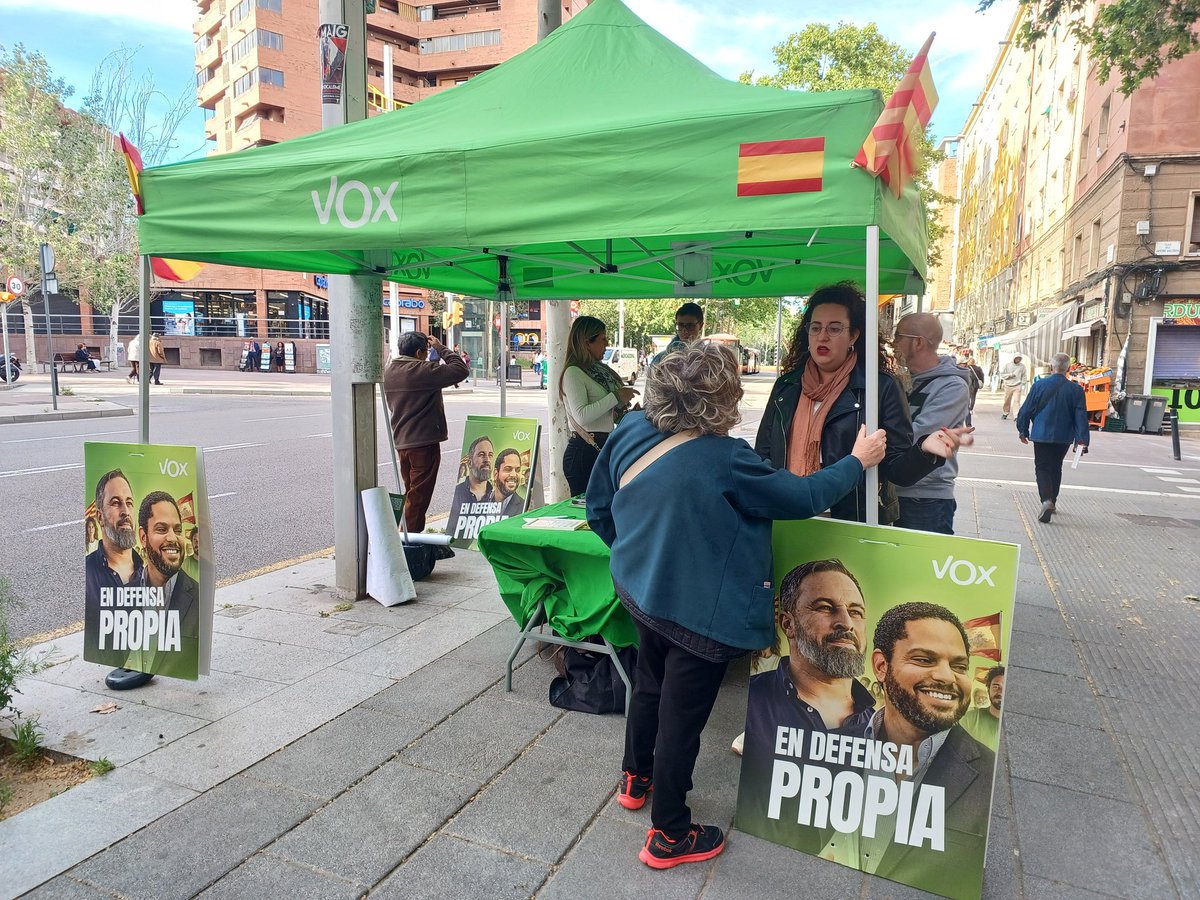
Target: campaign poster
point(495, 475)
point(872, 724)
point(148, 596)
point(179, 317)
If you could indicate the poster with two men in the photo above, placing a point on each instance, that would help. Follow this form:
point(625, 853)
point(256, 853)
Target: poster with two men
point(497, 475)
point(872, 725)
point(148, 599)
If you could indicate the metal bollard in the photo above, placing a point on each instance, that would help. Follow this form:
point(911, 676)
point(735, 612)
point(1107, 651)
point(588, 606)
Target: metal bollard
point(1174, 415)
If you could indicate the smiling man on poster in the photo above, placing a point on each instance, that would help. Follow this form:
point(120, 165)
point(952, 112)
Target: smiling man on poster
point(937, 838)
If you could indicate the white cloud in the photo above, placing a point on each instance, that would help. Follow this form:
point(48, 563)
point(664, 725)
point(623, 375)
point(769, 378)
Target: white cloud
point(173, 16)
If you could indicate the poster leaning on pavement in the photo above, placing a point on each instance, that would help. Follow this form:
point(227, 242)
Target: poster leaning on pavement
point(496, 476)
point(872, 725)
point(148, 595)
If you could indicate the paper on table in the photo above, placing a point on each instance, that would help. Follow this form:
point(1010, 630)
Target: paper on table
point(1078, 454)
point(556, 523)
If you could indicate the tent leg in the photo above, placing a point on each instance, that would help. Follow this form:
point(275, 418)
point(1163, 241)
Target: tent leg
point(144, 352)
point(871, 412)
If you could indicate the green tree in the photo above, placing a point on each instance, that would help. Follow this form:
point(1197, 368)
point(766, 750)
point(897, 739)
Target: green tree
point(1135, 37)
point(847, 57)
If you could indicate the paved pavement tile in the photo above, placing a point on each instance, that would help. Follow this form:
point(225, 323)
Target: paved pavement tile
point(325, 762)
point(42, 841)
point(481, 738)
point(410, 650)
point(66, 888)
point(266, 876)
point(370, 829)
point(584, 736)
point(1039, 620)
point(752, 867)
point(70, 726)
point(1162, 719)
point(1044, 889)
point(293, 628)
point(1068, 755)
point(565, 796)
point(270, 660)
point(1090, 842)
point(215, 752)
point(491, 648)
point(187, 850)
point(451, 867)
point(1048, 654)
point(1032, 692)
point(531, 683)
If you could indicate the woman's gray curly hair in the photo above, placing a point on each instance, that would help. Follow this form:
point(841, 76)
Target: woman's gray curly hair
point(697, 388)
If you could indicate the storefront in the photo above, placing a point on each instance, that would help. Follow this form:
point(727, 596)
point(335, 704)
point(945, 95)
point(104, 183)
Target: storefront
point(1173, 357)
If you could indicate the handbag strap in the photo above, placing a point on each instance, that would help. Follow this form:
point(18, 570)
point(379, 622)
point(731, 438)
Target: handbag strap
point(655, 453)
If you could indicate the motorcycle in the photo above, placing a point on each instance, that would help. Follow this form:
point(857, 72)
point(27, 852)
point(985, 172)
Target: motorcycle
point(11, 370)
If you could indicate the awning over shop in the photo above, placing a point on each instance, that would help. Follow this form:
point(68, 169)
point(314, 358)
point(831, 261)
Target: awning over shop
point(1043, 338)
point(1083, 329)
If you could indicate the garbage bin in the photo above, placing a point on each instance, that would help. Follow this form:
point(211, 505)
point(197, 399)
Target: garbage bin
point(1135, 411)
point(1156, 411)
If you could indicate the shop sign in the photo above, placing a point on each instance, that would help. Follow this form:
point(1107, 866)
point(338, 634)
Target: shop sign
point(1182, 312)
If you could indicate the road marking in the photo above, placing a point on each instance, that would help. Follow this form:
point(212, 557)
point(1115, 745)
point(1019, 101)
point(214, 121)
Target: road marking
point(281, 418)
point(1088, 462)
point(226, 494)
point(1161, 471)
point(1078, 487)
point(40, 469)
point(62, 437)
point(324, 434)
point(55, 525)
point(1179, 480)
point(230, 447)
point(1190, 490)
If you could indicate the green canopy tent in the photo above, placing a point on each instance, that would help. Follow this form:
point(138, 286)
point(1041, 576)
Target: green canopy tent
point(602, 162)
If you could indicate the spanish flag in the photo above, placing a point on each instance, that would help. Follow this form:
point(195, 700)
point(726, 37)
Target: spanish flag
point(166, 269)
point(983, 634)
point(175, 269)
point(890, 150)
point(780, 167)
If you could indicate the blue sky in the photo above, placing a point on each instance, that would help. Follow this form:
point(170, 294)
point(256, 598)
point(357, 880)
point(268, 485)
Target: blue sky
point(75, 35)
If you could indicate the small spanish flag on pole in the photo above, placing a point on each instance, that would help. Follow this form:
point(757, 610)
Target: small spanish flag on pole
point(167, 269)
point(983, 634)
point(890, 150)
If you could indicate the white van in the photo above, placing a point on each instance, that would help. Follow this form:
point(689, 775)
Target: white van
point(623, 361)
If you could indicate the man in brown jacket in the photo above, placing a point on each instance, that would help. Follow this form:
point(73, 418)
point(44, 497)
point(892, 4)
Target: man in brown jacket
point(158, 356)
point(413, 386)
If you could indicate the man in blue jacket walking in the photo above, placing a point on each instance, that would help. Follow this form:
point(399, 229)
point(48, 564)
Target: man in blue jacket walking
point(1054, 417)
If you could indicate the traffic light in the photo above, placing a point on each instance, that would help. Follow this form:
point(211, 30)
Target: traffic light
point(456, 313)
point(446, 319)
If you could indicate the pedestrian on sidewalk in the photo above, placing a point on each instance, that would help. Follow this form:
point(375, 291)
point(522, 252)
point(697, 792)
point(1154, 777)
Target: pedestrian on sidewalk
point(158, 356)
point(694, 612)
point(254, 356)
point(939, 397)
point(279, 357)
point(975, 382)
point(1054, 417)
point(412, 385)
point(1013, 379)
point(134, 352)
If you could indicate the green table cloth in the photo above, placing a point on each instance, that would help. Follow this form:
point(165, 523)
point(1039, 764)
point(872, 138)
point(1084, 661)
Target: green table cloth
point(568, 571)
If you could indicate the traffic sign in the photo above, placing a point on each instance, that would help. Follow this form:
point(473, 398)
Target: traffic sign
point(15, 285)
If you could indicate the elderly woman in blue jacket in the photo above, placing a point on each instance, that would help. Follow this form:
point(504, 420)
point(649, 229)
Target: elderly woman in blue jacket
point(687, 511)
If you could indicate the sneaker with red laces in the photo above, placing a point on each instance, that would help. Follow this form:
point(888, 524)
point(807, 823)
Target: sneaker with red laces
point(633, 790)
point(701, 842)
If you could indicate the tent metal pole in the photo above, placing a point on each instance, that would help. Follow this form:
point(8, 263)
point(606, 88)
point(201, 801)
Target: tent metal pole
point(144, 281)
point(871, 413)
point(504, 294)
point(355, 325)
point(557, 316)
point(779, 338)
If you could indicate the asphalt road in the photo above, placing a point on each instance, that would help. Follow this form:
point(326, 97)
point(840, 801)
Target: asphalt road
point(268, 470)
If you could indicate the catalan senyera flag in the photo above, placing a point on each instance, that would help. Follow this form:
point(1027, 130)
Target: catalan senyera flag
point(780, 167)
point(983, 634)
point(890, 150)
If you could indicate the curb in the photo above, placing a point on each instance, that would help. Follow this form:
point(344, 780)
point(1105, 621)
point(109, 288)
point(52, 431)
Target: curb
point(60, 416)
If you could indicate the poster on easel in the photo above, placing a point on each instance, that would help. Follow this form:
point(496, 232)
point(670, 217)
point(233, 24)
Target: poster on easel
point(289, 356)
point(495, 475)
point(149, 573)
point(243, 363)
point(872, 724)
point(265, 355)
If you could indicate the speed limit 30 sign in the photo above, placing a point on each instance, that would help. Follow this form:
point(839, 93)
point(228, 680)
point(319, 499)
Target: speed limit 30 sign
point(15, 285)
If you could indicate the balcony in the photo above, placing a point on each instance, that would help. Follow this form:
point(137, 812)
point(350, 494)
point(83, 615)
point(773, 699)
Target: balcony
point(408, 60)
point(209, 55)
point(208, 21)
point(404, 23)
point(208, 93)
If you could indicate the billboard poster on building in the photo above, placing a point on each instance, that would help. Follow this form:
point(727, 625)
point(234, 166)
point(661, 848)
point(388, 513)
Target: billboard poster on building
point(872, 725)
point(332, 41)
point(179, 317)
point(495, 475)
point(148, 595)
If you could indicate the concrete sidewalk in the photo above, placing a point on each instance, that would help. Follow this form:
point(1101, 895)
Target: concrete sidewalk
point(336, 752)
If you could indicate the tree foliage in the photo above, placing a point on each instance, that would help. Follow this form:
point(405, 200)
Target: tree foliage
point(848, 57)
point(1134, 37)
point(752, 319)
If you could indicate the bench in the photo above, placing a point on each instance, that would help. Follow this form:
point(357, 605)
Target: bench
point(63, 361)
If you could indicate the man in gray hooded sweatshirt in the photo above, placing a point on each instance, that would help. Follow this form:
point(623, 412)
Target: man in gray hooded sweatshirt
point(939, 397)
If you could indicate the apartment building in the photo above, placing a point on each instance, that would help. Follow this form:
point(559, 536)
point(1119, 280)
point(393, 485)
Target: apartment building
point(258, 81)
point(1079, 218)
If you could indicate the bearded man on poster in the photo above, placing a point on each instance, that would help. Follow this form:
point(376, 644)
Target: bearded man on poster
point(114, 564)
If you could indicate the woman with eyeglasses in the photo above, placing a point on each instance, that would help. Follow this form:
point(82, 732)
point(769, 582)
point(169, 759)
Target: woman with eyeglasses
point(594, 396)
point(817, 406)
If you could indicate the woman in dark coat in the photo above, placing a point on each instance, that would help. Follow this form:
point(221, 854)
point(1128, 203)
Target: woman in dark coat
point(824, 376)
point(687, 511)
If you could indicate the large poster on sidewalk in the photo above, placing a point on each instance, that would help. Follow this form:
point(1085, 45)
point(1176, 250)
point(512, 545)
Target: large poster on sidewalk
point(148, 596)
point(495, 475)
point(872, 724)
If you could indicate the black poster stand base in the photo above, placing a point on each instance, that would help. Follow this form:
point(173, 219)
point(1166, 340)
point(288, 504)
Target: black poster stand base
point(126, 679)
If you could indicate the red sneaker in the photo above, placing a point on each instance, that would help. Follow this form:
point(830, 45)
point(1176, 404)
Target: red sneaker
point(633, 790)
point(701, 842)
